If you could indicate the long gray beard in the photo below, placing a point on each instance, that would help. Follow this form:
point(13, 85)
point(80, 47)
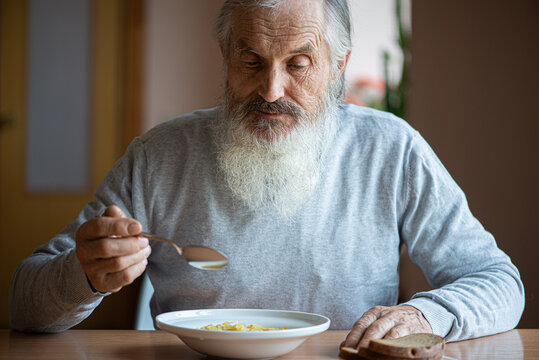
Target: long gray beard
point(281, 172)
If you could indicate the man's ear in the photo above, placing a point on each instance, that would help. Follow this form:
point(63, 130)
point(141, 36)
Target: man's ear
point(341, 66)
point(344, 62)
point(224, 50)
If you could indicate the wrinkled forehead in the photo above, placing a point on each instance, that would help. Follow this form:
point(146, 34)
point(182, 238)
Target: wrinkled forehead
point(296, 21)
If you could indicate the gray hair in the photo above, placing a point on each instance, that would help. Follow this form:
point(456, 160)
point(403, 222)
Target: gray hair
point(339, 28)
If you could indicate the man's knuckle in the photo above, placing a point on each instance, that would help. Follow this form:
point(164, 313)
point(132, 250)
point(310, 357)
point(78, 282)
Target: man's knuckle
point(123, 277)
point(395, 314)
point(110, 282)
point(115, 264)
point(102, 249)
point(371, 314)
point(362, 321)
point(119, 227)
point(365, 321)
point(139, 269)
point(132, 272)
point(352, 337)
point(131, 275)
point(140, 256)
point(397, 332)
point(399, 314)
point(377, 325)
point(120, 263)
point(100, 224)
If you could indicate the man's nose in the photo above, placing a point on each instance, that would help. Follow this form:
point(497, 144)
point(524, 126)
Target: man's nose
point(272, 86)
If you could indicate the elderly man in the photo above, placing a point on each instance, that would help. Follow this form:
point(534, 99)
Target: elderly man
point(310, 199)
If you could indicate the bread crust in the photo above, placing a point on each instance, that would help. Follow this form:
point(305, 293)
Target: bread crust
point(414, 346)
point(366, 354)
point(348, 353)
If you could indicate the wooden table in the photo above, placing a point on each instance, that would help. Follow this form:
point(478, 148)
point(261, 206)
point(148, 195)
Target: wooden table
point(132, 344)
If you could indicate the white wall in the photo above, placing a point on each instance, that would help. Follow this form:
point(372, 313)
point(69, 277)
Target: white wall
point(375, 30)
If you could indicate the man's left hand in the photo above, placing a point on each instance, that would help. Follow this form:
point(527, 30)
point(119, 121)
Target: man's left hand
point(386, 322)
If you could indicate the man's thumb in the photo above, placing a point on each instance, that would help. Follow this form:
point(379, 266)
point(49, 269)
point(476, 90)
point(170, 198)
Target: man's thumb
point(113, 211)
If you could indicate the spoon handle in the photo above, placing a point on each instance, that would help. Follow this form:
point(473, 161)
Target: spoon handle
point(157, 238)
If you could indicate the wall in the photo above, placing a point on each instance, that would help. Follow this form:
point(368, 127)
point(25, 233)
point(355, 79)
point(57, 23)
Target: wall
point(182, 60)
point(475, 87)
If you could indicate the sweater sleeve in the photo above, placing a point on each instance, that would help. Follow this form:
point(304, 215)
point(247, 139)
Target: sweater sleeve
point(478, 290)
point(49, 291)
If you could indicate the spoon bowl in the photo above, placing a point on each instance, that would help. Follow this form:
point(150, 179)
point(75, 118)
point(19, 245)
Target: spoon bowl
point(200, 257)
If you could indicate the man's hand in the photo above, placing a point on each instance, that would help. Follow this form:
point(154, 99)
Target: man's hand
point(386, 322)
point(109, 251)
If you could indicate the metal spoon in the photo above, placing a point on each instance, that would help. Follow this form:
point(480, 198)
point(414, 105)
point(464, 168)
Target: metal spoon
point(201, 257)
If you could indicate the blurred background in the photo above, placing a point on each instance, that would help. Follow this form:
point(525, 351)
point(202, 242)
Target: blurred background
point(80, 78)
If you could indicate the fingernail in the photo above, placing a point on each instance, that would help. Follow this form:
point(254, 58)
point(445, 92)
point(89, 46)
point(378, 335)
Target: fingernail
point(133, 229)
point(142, 242)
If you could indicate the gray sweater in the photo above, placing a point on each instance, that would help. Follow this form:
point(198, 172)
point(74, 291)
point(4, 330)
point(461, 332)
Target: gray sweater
point(338, 255)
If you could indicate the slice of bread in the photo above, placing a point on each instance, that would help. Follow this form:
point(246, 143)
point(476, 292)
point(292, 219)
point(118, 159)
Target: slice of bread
point(414, 346)
point(366, 354)
point(348, 353)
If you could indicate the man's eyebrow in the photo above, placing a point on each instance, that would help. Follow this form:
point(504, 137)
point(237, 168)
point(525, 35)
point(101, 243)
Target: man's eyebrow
point(305, 49)
point(241, 45)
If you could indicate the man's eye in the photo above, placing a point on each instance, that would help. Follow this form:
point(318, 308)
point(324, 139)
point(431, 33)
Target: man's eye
point(298, 67)
point(251, 64)
point(299, 63)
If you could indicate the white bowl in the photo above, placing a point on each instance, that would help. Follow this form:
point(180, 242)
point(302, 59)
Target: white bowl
point(243, 344)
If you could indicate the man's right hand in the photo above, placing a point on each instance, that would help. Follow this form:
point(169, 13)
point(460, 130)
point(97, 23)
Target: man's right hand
point(110, 252)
